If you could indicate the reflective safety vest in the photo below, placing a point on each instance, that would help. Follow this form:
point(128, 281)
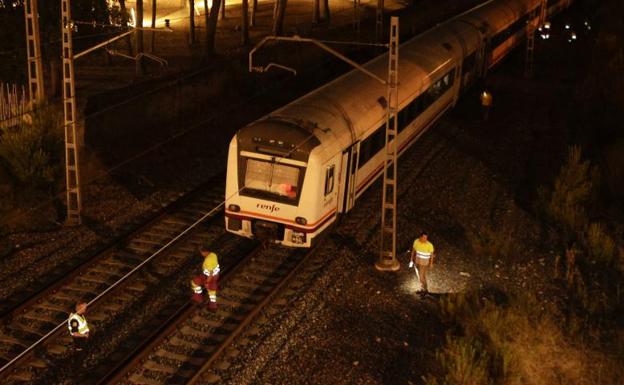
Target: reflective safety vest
point(423, 249)
point(83, 327)
point(211, 265)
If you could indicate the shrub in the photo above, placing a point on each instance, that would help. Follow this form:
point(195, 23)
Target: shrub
point(464, 363)
point(600, 245)
point(571, 191)
point(33, 151)
point(519, 342)
point(490, 243)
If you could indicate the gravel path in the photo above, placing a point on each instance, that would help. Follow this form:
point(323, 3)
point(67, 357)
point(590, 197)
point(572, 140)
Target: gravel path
point(359, 326)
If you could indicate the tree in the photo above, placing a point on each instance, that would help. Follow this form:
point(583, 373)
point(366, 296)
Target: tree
point(153, 25)
point(326, 10)
point(278, 22)
point(140, 66)
point(253, 13)
point(192, 22)
point(124, 23)
point(316, 11)
point(206, 18)
point(211, 28)
point(245, 22)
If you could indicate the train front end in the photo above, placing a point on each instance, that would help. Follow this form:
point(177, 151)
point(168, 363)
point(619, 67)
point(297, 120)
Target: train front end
point(268, 167)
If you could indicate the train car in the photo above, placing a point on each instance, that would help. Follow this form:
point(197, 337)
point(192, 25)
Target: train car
point(291, 173)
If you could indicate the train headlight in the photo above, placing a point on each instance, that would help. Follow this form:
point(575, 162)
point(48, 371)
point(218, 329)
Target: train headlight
point(234, 208)
point(301, 221)
point(298, 237)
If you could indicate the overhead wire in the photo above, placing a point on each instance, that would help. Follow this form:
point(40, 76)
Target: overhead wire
point(144, 152)
point(176, 238)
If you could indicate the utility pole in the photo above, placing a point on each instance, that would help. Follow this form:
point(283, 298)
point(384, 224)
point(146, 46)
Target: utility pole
point(33, 50)
point(72, 172)
point(387, 253)
point(387, 256)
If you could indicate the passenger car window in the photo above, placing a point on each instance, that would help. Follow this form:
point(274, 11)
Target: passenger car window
point(329, 180)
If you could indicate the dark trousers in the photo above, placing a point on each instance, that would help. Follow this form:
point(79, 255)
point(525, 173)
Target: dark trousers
point(80, 343)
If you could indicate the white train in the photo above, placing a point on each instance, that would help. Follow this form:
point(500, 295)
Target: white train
point(291, 173)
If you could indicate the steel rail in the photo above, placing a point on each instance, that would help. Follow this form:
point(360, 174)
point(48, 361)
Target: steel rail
point(4, 369)
point(108, 246)
point(251, 316)
point(184, 312)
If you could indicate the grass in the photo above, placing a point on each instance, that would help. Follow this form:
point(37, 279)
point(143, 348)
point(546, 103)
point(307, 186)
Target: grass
point(517, 341)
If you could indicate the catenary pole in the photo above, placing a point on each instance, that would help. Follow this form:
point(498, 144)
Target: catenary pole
point(33, 51)
point(72, 171)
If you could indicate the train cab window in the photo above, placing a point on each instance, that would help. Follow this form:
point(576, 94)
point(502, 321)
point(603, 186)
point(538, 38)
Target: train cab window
point(329, 180)
point(271, 179)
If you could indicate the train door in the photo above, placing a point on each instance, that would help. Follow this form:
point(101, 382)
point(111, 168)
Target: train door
point(347, 178)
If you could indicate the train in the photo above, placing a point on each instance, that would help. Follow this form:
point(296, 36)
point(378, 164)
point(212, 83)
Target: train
point(293, 172)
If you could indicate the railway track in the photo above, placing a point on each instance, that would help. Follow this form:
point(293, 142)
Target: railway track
point(42, 318)
point(198, 346)
point(172, 341)
point(197, 339)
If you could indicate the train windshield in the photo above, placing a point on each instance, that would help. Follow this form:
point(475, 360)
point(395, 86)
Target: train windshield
point(271, 179)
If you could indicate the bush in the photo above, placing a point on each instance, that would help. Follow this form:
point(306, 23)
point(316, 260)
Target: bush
point(464, 362)
point(600, 245)
point(571, 192)
point(519, 342)
point(490, 243)
point(33, 152)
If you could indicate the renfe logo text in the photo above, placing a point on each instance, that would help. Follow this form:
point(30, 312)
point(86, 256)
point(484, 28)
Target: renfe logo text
point(265, 206)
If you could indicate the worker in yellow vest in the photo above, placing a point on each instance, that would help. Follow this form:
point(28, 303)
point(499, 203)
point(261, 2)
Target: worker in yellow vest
point(423, 254)
point(208, 280)
point(78, 326)
point(486, 103)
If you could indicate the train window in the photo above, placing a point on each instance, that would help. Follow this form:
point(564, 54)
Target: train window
point(273, 178)
point(403, 118)
point(329, 180)
point(372, 145)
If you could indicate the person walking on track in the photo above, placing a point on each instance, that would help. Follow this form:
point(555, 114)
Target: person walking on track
point(423, 255)
point(208, 279)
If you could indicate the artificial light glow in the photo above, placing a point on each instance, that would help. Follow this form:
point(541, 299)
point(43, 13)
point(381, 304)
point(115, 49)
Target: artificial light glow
point(440, 280)
point(132, 21)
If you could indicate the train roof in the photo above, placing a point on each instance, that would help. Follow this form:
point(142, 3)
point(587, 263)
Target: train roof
point(287, 139)
point(346, 108)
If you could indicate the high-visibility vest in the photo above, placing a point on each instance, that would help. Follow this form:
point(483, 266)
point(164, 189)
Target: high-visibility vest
point(83, 327)
point(211, 264)
point(423, 249)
